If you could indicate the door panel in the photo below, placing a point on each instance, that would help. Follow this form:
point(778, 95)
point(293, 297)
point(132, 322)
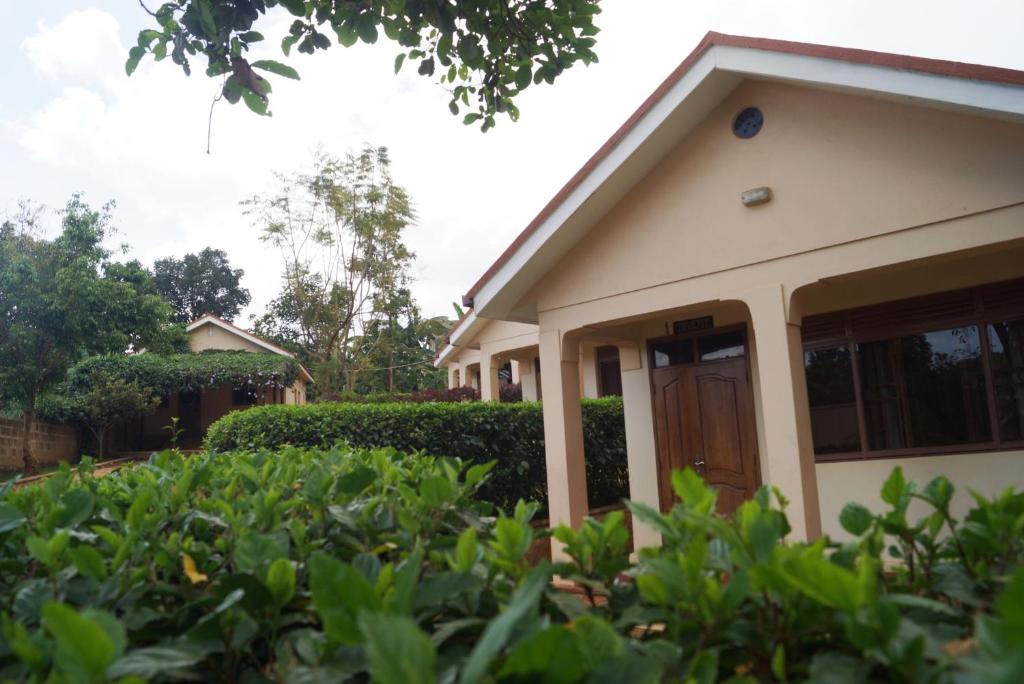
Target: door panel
point(668, 419)
point(704, 419)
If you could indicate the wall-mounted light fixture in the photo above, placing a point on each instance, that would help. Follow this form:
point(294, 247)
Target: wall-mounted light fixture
point(756, 196)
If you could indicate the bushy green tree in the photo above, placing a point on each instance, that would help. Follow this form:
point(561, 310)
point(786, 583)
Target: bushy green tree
point(64, 298)
point(99, 401)
point(484, 52)
point(199, 284)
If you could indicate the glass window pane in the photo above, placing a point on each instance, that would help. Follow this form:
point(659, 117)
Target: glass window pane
point(721, 346)
point(832, 400)
point(672, 353)
point(925, 390)
point(1006, 340)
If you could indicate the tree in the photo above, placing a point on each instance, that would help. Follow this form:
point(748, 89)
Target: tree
point(339, 230)
point(61, 299)
point(199, 284)
point(396, 351)
point(488, 51)
point(98, 401)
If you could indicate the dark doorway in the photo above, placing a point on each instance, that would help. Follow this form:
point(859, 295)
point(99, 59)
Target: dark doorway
point(190, 418)
point(609, 372)
point(704, 414)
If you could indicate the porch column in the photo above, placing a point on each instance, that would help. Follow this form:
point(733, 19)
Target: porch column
point(641, 450)
point(453, 375)
point(787, 455)
point(563, 432)
point(514, 364)
point(527, 378)
point(488, 376)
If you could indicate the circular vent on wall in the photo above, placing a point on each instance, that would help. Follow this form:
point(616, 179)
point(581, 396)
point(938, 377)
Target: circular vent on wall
point(748, 123)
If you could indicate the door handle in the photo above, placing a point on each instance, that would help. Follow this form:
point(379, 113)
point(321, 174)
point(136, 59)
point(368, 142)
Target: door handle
point(698, 464)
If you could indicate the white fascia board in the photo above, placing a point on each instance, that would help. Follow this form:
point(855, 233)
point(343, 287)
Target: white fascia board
point(998, 99)
point(629, 144)
point(462, 336)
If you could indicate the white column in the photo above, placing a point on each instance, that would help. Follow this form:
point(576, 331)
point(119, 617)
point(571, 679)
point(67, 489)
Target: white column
point(787, 455)
point(641, 450)
point(563, 433)
point(514, 363)
point(488, 376)
point(528, 378)
point(453, 375)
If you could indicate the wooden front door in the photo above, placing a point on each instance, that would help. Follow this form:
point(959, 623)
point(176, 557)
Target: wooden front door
point(704, 414)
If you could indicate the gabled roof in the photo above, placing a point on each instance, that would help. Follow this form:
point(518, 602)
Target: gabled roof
point(216, 321)
point(718, 64)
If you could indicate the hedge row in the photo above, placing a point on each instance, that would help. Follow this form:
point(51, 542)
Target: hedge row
point(510, 433)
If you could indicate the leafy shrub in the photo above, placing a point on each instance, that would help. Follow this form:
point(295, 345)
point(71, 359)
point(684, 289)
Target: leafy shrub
point(309, 566)
point(511, 434)
point(417, 397)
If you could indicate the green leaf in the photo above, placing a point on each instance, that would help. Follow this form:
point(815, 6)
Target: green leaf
point(157, 662)
point(500, 630)
point(399, 652)
point(296, 7)
point(895, 485)
point(39, 549)
point(366, 27)
point(206, 19)
point(89, 562)
point(821, 580)
point(84, 649)
point(551, 655)
point(281, 581)
point(1010, 607)
point(340, 593)
point(855, 518)
point(251, 36)
point(10, 518)
point(523, 77)
point(287, 42)
point(77, 507)
point(276, 68)
point(347, 34)
point(135, 56)
point(399, 60)
point(255, 102)
point(466, 550)
point(255, 551)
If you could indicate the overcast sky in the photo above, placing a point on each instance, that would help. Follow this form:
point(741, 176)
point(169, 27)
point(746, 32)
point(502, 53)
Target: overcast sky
point(70, 120)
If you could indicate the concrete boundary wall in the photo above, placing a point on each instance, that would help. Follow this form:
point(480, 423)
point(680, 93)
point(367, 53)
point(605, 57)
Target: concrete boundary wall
point(50, 443)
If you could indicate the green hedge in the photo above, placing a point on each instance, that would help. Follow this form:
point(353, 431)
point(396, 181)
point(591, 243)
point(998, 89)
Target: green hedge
point(511, 434)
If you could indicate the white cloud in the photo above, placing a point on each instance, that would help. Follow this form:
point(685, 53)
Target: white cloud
point(142, 140)
point(84, 46)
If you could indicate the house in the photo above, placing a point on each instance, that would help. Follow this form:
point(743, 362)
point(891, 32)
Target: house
point(197, 409)
point(810, 261)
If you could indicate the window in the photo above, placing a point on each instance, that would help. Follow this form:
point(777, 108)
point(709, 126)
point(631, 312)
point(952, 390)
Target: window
point(243, 396)
point(609, 372)
point(832, 400)
point(943, 373)
point(1006, 342)
point(720, 346)
point(672, 353)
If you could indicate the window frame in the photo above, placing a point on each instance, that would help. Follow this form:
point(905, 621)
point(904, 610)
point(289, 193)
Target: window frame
point(980, 306)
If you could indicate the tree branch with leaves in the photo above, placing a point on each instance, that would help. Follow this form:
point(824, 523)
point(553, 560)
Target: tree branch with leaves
point(484, 52)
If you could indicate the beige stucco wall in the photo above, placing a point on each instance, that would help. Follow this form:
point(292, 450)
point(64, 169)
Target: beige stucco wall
point(209, 336)
point(873, 201)
point(988, 473)
point(841, 168)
